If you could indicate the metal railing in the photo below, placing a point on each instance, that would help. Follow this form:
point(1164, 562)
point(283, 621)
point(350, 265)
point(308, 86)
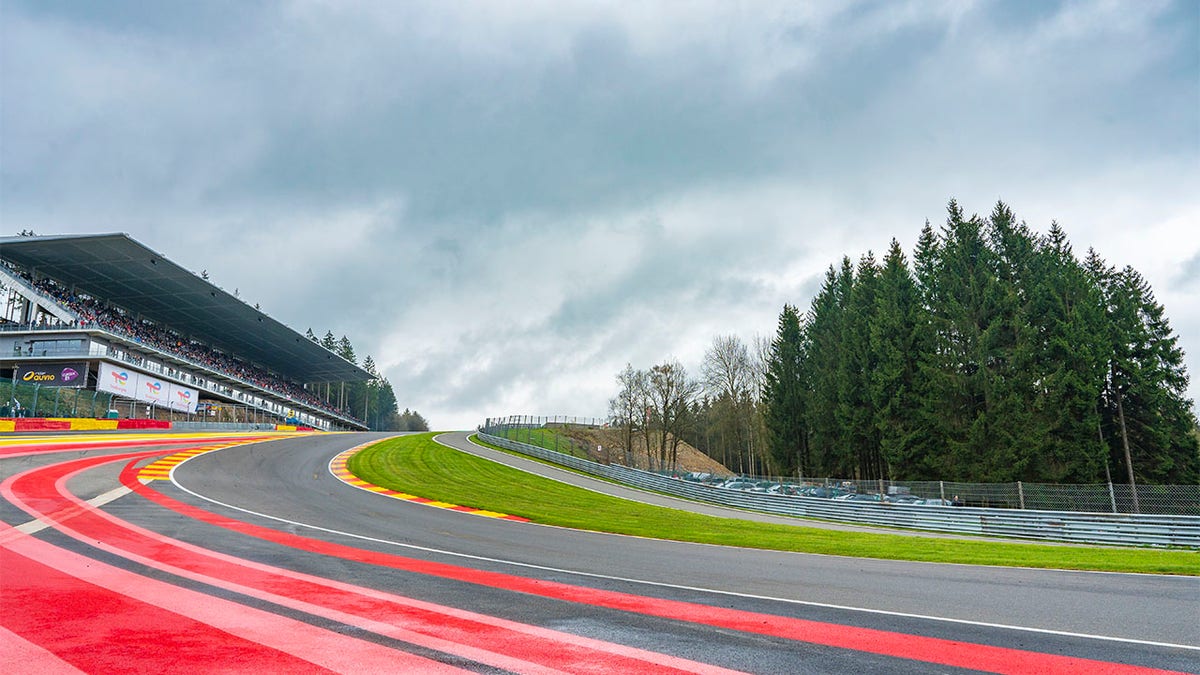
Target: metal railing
point(1064, 526)
point(22, 399)
point(1168, 500)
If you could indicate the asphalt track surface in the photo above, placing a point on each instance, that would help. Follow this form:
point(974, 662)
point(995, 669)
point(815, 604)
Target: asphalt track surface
point(254, 557)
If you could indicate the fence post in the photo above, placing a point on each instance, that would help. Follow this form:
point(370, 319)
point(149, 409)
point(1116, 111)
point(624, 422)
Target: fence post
point(942, 490)
point(1021, 494)
point(1112, 497)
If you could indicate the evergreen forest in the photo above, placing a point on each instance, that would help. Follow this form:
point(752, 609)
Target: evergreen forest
point(372, 401)
point(994, 354)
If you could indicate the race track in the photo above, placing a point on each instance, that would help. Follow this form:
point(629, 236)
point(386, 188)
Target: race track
point(256, 557)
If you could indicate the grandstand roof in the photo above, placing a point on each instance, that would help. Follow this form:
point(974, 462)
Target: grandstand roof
point(116, 268)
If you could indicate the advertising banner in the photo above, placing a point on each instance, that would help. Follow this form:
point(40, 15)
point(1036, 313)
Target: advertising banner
point(117, 380)
point(184, 399)
point(153, 390)
point(52, 374)
point(130, 383)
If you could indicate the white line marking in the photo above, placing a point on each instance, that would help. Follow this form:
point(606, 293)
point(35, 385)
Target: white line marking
point(39, 524)
point(659, 584)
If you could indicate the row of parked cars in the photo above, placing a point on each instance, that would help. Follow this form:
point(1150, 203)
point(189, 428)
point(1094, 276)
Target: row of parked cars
point(820, 491)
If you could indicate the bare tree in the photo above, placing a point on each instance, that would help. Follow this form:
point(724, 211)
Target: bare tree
point(671, 392)
point(760, 357)
point(627, 410)
point(729, 378)
point(726, 369)
point(760, 360)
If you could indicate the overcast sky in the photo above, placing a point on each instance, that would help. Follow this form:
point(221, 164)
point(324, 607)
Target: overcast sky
point(505, 202)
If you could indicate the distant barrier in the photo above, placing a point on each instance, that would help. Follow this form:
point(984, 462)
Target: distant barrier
point(1167, 500)
point(77, 424)
point(1065, 526)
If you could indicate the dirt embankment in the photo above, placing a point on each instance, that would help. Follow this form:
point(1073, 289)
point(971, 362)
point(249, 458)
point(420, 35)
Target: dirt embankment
point(605, 446)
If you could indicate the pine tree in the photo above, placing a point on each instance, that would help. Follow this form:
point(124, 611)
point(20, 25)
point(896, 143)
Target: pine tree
point(1066, 311)
point(1148, 415)
point(855, 409)
point(386, 416)
point(966, 355)
point(411, 420)
point(346, 350)
point(823, 340)
point(784, 396)
point(1012, 350)
point(896, 342)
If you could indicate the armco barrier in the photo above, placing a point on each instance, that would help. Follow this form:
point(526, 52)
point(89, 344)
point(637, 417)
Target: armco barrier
point(222, 426)
point(143, 424)
point(40, 424)
point(1065, 526)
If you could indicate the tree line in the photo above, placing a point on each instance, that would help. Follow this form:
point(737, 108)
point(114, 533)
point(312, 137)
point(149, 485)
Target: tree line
point(372, 401)
point(997, 355)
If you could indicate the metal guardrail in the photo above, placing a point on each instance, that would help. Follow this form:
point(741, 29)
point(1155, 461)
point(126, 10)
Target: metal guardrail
point(222, 426)
point(1064, 526)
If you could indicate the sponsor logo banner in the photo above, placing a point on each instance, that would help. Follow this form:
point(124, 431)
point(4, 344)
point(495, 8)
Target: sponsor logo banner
point(153, 390)
point(130, 383)
point(183, 398)
point(52, 374)
point(116, 380)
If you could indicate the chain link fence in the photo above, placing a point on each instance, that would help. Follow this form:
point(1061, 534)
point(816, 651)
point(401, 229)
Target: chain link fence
point(22, 399)
point(555, 433)
point(552, 433)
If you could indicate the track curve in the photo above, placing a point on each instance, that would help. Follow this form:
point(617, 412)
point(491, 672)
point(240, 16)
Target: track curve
point(265, 528)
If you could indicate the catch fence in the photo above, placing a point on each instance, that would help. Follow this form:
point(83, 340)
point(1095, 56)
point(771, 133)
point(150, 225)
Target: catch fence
point(553, 433)
point(23, 399)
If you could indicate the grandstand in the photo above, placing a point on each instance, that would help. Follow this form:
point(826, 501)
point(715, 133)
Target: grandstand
point(104, 313)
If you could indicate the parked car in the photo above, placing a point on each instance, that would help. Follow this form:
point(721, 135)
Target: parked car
point(789, 489)
point(856, 497)
point(826, 492)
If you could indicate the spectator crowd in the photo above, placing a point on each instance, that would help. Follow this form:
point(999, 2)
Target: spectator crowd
point(93, 312)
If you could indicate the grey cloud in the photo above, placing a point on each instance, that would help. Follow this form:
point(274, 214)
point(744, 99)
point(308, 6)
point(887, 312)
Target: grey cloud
point(469, 140)
point(417, 167)
point(1189, 273)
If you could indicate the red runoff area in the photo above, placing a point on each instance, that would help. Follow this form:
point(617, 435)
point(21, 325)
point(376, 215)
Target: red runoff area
point(463, 634)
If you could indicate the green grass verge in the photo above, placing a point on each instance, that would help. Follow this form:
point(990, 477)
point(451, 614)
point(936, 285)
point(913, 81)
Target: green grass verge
point(418, 465)
point(544, 438)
